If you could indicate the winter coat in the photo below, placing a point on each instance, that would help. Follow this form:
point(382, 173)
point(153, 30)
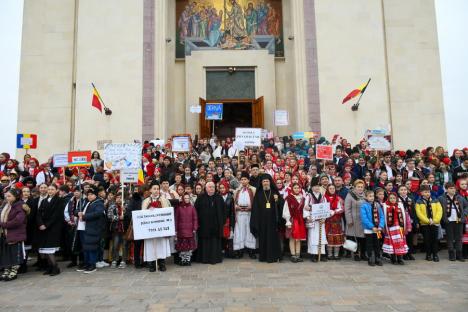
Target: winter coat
point(463, 205)
point(353, 214)
point(367, 217)
point(186, 221)
point(95, 219)
point(50, 214)
point(421, 212)
point(15, 226)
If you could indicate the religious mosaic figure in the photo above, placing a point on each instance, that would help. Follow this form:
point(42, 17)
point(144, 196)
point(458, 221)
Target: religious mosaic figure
point(251, 20)
point(236, 24)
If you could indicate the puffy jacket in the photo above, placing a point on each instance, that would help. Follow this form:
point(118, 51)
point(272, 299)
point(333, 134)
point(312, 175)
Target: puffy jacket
point(367, 217)
point(186, 220)
point(15, 226)
point(421, 212)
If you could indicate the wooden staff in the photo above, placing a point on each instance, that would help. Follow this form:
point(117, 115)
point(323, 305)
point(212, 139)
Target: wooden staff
point(320, 240)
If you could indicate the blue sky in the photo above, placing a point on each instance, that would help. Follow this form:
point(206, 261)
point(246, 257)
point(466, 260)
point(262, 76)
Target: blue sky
point(452, 24)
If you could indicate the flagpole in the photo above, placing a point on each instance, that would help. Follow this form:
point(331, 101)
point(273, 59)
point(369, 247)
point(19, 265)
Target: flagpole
point(107, 111)
point(356, 106)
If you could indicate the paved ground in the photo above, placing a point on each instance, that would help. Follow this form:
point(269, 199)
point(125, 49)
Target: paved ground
point(245, 285)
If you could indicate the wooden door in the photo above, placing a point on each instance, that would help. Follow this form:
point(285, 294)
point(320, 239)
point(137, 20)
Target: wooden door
point(204, 124)
point(257, 113)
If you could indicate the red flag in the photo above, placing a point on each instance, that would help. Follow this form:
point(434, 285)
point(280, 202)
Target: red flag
point(96, 99)
point(360, 90)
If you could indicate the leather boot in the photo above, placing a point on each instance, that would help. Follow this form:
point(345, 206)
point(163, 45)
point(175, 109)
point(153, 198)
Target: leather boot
point(152, 266)
point(252, 254)
point(371, 259)
point(460, 256)
point(393, 259)
point(55, 270)
point(162, 265)
point(378, 261)
point(400, 260)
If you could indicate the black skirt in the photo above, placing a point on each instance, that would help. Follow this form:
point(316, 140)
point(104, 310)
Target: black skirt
point(209, 250)
point(10, 254)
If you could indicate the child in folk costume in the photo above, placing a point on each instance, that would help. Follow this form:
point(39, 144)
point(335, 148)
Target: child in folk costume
point(156, 249)
point(429, 213)
point(228, 230)
point(373, 222)
point(397, 225)
point(408, 203)
point(316, 236)
point(334, 224)
point(186, 224)
point(293, 211)
point(455, 210)
point(243, 199)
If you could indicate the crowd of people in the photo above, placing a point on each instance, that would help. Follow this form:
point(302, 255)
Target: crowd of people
point(228, 203)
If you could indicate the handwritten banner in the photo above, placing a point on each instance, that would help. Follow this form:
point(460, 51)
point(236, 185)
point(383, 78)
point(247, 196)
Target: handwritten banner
point(119, 156)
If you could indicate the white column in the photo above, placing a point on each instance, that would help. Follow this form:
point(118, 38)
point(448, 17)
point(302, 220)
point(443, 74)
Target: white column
point(301, 97)
point(160, 94)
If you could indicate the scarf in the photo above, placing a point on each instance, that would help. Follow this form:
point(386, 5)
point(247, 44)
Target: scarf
point(4, 217)
point(394, 215)
point(427, 202)
point(453, 203)
point(375, 213)
point(295, 207)
point(316, 200)
point(333, 200)
point(406, 203)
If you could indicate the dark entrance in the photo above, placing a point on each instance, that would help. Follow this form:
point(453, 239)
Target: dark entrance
point(235, 114)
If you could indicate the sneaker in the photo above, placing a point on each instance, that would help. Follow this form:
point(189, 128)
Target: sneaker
point(81, 268)
point(113, 265)
point(122, 265)
point(90, 270)
point(104, 264)
point(100, 264)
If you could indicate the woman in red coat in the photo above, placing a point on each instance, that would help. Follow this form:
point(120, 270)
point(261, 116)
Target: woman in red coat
point(186, 224)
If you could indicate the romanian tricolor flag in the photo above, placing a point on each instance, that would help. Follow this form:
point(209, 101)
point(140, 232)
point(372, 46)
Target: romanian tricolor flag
point(360, 90)
point(26, 140)
point(97, 102)
point(141, 177)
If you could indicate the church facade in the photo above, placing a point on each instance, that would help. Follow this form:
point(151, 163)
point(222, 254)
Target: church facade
point(155, 62)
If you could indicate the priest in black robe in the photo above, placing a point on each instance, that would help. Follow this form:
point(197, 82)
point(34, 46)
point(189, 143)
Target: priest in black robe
point(265, 220)
point(211, 216)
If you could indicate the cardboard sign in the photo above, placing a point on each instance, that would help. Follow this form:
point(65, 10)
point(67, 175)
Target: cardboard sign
point(214, 111)
point(181, 143)
point(320, 211)
point(303, 135)
point(249, 136)
point(129, 175)
point(379, 139)
point(153, 223)
point(281, 118)
point(26, 140)
point(324, 152)
point(119, 156)
point(60, 160)
point(79, 159)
